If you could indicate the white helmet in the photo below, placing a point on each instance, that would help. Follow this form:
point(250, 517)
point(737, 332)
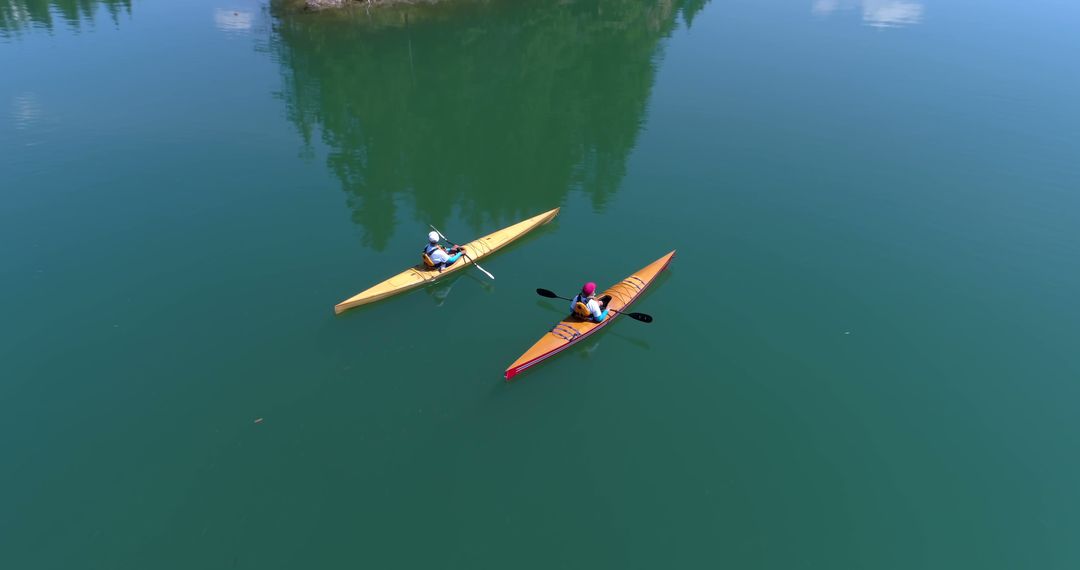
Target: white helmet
point(433, 237)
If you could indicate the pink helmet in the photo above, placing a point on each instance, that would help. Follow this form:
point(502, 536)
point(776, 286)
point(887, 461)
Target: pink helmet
point(588, 288)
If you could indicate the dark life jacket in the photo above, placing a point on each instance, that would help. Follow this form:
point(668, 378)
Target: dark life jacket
point(426, 254)
point(581, 306)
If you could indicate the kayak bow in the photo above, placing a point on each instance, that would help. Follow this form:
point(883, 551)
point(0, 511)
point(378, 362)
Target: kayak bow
point(422, 274)
point(573, 329)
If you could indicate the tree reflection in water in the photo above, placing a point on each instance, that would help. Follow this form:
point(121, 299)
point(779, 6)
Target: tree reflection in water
point(499, 108)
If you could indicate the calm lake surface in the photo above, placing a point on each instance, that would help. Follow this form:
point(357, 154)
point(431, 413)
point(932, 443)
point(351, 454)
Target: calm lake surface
point(864, 356)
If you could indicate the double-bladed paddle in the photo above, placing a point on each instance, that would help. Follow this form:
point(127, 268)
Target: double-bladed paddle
point(636, 316)
point(473, 261)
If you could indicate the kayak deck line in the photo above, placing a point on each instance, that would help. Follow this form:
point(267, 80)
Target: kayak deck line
point(420, 274)
point(572, 329)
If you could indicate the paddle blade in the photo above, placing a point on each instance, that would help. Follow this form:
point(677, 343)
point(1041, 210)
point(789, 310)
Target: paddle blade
point(484, 271)
point(640, 317)
point(546, 293)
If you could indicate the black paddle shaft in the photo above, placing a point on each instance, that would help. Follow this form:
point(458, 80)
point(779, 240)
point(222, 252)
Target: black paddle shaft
point(636, 316)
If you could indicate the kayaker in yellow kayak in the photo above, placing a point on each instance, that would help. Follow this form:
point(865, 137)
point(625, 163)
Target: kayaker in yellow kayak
point(438, 257)
point(586, 306)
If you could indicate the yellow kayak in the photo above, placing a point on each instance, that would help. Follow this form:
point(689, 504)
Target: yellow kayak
point(422, 274)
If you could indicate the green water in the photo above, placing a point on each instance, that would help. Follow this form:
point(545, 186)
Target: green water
point(864, 356)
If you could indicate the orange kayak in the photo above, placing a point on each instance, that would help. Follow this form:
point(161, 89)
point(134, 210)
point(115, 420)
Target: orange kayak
point(574, 329)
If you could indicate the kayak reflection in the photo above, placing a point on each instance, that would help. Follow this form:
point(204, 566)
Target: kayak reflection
point(441, 291)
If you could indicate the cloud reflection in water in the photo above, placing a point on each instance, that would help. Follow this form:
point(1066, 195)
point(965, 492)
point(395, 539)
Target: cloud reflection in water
point(876, 13)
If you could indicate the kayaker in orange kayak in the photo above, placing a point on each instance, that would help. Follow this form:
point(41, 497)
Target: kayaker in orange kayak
point(436, 256)
point(586, 306)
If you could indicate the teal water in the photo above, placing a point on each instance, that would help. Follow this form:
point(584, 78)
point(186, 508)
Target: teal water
point(863, 356)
